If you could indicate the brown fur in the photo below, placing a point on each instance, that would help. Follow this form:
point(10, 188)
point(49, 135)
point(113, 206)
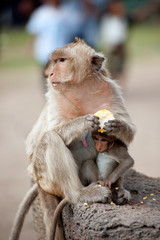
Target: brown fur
point(78, 86)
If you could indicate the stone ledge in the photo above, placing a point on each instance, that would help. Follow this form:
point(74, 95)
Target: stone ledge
point(140, 219)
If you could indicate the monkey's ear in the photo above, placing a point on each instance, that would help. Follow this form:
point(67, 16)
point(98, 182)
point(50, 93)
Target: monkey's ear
point(97, 62)
point(76, 40)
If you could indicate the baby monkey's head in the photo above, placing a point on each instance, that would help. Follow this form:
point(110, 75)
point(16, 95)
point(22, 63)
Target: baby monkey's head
point(102, 141)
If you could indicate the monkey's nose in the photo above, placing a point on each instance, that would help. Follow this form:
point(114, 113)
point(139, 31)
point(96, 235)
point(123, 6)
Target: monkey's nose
point(51, 74)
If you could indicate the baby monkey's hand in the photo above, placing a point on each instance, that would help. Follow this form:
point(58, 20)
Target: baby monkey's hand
point(109, 181)
point(106, 183)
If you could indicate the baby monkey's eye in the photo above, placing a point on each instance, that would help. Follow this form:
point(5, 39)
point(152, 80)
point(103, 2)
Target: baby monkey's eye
point(95, 138)
point(104, 140)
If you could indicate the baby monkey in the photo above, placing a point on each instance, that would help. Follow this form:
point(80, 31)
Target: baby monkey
point(113, 161)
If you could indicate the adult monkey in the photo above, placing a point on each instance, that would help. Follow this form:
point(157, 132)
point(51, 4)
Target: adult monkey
point(78, 86)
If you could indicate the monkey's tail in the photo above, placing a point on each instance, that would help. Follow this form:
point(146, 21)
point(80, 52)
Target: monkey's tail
point(22, 211)
point(57, 213)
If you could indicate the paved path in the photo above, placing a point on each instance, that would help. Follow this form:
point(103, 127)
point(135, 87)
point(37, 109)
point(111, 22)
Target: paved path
point(21, 101)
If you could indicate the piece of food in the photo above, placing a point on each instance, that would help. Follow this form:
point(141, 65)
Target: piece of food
point(104, 116)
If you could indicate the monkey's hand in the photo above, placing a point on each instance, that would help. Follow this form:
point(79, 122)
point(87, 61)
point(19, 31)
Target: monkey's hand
point(95, 193)
point(113, 126)
point(72, 130)
point(109, 181)
point(120, 196)
point(92, 122)
point(120, 129)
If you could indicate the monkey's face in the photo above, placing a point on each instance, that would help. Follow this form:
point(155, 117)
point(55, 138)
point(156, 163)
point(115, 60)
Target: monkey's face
point(102, 141)
point(61, 70)
point(102, 144)
point(73, 64)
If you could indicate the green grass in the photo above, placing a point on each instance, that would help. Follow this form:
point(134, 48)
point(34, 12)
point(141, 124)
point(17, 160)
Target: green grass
point(144, 40)
point(18, 62)
point(14, 37)
point(14, 49)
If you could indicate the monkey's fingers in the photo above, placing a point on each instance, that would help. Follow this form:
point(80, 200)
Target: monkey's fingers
point(108, 183)
point(122, 196)
point(101, 183)
point(108, 130)
point(111, 127)
point(93, 125)
point(105, 183)
point(115, 122)
point(93, 122)
point(95, 128)
point(92, 118)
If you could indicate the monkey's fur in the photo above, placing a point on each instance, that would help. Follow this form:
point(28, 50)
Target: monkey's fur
point(78, 86)
point(107, 162)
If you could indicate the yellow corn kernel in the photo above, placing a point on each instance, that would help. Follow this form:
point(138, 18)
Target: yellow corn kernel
point(85, 204)
point(145, 198)
point(99, 185)
point(101, 130)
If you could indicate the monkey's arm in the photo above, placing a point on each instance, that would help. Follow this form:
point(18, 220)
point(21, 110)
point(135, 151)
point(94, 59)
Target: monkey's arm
point(119, 171)
point(120, 129)
point(121, 155)
point(74, 129)
point(122, 126)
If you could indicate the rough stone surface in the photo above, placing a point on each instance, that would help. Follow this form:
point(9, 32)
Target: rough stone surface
point(140, 219)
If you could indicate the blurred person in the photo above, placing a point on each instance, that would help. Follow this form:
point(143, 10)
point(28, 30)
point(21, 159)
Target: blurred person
point(74, 18)
point(25, 8)
point(45, 25)
point(52, 26)
point(113, 36)
point(114, 30)
point(84, 14)
point(89, 29)
point(56, 23)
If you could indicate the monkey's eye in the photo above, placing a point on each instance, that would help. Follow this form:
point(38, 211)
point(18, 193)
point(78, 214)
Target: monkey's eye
point(95, 138)
point(104, 140)
point(61, 60)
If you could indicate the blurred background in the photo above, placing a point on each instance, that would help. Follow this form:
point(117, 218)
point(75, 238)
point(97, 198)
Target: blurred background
point(128, 32)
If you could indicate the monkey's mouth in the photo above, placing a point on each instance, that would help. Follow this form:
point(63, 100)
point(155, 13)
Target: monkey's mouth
point(55, 84)
point(101, 151)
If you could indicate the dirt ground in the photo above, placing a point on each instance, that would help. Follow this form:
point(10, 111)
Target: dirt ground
point(21, 100)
